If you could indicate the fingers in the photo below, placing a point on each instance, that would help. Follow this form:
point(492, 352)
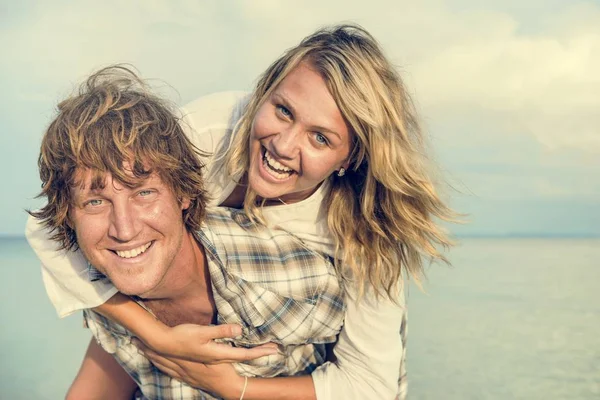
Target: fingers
point(165, 365)
point(217, 353)
point(228, 354)
point(269, 345)
point(226, 331)
point(165, 369)
point(139, 344)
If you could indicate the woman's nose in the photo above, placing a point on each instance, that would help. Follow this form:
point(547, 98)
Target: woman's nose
point(286, 142)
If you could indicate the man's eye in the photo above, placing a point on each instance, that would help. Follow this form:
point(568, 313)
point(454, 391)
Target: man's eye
point(284, 111)
point(145, 193)
point(94, 203)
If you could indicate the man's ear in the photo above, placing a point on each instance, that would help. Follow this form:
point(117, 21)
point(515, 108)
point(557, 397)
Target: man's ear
point(68, 219)
point(185, 203)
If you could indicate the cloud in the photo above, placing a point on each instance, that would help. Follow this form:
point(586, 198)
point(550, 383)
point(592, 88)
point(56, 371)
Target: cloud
point(498, 84)
point(545, 84)
point(537, 73)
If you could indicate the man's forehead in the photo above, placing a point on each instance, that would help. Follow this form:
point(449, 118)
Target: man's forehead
point(91, 180)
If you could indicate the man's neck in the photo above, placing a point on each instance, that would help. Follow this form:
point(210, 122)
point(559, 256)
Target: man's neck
point(186, 293)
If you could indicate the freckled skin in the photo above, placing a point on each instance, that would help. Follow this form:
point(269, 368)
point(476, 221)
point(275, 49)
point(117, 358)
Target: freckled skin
point(120, 218)
point(302, 128)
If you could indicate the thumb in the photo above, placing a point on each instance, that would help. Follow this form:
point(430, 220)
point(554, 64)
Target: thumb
point(226, 331)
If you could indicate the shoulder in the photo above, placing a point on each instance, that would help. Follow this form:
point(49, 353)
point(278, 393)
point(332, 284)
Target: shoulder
point(210, 119)
point(108, 334)
point(215, 108)
point(240, 240)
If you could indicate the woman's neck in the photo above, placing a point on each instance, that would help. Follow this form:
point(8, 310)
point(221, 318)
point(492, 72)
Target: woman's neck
point(237, 196)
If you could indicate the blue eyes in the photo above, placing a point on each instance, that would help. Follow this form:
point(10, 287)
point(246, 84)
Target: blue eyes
point(94, 202)
point(320, 138)
point(284, 111)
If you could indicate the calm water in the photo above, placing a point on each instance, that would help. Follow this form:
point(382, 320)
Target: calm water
point(513, 319)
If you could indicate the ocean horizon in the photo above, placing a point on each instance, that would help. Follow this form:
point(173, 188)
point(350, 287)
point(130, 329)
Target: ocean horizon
point(512, 318)
point(516, 235)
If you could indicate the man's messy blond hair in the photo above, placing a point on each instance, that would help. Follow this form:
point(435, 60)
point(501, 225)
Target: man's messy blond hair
point(114, 120)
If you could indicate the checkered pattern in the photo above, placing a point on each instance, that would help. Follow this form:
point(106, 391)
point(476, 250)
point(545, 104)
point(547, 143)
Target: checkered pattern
point(152, 383)
point(267, 281)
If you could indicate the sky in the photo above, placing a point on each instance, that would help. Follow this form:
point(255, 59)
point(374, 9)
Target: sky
point(508, 93)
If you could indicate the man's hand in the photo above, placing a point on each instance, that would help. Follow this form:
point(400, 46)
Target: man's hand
point(196, 343)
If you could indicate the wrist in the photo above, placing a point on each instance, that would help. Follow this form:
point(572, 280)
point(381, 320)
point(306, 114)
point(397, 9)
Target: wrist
point(235, 389)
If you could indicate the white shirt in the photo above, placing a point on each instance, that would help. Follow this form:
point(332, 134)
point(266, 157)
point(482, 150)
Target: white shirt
point(370, 351)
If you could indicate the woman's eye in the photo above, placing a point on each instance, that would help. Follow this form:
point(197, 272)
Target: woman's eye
point(320, 138)
point(284, 111)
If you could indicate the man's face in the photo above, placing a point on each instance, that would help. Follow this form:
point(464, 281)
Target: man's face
point(130, 235)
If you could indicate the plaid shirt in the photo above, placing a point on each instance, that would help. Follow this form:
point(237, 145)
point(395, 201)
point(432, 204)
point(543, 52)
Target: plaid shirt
point(267, 281)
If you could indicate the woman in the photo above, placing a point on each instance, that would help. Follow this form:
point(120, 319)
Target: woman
point(327, 147)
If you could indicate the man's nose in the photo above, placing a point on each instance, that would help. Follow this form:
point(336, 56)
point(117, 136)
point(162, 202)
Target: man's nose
point(286, 142)
point(124, 225)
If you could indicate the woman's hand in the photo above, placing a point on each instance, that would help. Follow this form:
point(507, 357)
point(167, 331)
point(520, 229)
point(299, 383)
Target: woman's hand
point(220, 379)
point(191, 342)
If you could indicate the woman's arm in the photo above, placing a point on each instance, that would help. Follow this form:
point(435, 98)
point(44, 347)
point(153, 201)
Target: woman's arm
point(186, 340)
point(66, 279)
point(370, 358)
point(65, 274)
point(223, 380)
point(370, 362)
point(370, 352)
point(101, 377)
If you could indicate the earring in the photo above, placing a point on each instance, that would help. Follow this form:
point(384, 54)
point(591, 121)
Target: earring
point(341, 172)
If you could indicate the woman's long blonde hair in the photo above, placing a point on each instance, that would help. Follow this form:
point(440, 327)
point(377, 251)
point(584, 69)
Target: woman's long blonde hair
point(382, 213)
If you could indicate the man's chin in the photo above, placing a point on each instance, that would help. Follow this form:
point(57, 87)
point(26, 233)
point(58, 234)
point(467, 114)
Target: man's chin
point(143, 290)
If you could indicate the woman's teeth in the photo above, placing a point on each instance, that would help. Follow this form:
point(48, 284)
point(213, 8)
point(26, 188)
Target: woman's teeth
point(276, 169)
point(134, 252)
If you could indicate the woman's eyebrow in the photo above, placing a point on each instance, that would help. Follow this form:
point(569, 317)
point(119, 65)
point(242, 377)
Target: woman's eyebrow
point(322, 129)
point(283, 99)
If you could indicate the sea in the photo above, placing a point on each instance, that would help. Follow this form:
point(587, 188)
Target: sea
point(512, 318)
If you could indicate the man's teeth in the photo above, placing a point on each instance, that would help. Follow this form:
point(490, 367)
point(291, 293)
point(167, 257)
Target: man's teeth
point(271, 162)
point(134, 252)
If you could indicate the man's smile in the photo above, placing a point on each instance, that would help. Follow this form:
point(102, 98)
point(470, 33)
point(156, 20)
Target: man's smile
point(131, 253)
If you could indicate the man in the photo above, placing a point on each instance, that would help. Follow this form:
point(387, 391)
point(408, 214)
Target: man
point(124, 185)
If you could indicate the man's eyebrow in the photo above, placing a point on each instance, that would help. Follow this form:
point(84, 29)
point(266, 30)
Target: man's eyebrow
point(86, 193)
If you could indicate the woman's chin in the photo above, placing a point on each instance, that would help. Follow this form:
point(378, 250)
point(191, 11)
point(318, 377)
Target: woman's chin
point(268, 189)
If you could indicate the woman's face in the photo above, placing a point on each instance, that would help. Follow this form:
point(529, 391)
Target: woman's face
point(298, 138)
